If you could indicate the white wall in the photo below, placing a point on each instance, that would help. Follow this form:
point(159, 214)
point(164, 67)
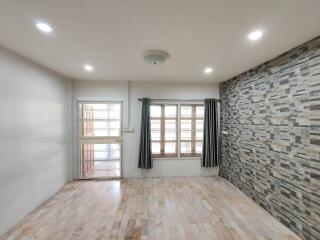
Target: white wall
point(38, 144)
point(118, 91)
point(35, 138)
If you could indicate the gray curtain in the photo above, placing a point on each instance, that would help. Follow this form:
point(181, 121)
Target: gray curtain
point(210, 156)
point(145, 160)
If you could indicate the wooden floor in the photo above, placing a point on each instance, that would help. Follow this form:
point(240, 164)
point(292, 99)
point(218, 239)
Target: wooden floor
point(163, 208)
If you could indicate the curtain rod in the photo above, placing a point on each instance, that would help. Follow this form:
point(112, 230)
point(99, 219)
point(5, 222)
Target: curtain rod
point(178, 100)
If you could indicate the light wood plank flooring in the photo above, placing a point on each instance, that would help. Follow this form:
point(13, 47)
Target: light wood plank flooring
point(161, 208)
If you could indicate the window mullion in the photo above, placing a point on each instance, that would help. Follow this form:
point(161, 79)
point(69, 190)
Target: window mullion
point(178, 138)
point(82, 122)
point(193, 130)
point(162, 131)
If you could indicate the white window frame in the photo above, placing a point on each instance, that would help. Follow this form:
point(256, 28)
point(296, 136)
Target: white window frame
point(163, 105)
point(178, 103)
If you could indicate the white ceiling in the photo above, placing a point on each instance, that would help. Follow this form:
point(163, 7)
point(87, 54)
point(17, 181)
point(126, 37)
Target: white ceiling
point(112, 35)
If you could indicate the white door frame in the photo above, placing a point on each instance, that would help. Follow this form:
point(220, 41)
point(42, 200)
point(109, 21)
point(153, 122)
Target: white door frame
point(118, 140)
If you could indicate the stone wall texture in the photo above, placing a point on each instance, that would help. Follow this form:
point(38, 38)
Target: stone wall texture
point(272, 149)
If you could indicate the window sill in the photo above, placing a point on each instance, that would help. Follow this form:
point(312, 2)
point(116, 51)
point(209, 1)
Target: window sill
point(177, 158)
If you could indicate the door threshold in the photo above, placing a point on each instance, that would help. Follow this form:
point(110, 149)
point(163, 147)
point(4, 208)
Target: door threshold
point(100, 179)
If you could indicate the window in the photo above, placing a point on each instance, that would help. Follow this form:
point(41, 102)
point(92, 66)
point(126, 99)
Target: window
point(191, 129)
point(100, 120)
point(164, 130)
point(176, 130)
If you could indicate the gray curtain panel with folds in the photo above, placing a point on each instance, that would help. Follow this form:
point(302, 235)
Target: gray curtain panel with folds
point(210, 157)
point(145, 160)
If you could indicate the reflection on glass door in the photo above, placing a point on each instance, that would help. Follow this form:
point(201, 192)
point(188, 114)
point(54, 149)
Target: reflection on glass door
point(100, 139)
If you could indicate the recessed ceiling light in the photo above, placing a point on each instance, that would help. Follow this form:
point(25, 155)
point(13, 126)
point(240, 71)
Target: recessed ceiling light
point(44, 27)
point(208, 70)
point(88, 67)
point(255, 35)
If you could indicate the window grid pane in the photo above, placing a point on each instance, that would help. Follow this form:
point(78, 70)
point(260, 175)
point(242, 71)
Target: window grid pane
point(191, 129)
point(155, 111)
point(164, 130)
point(100, 119)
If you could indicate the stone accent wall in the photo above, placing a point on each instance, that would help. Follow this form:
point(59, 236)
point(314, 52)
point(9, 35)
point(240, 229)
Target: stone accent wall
point(272, 149)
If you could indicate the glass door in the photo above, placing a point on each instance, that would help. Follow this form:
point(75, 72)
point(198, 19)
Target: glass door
point(100, 132)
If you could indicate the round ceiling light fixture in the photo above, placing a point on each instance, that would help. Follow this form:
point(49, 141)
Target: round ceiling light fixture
point(155, 57)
